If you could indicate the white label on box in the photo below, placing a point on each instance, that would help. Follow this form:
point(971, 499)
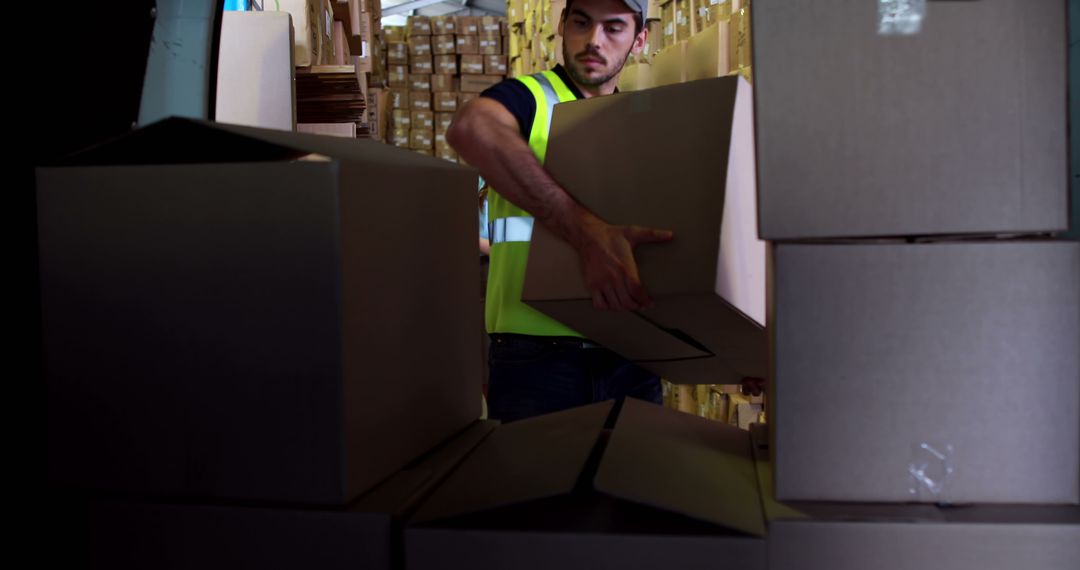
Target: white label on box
point(440, 138)
point(900, 17)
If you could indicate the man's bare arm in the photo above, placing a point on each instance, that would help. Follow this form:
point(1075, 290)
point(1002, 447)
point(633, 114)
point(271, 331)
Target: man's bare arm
point(486, 135)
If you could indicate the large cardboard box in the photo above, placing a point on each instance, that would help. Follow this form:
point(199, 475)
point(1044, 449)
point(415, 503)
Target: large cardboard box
point(442, 122)
point(419, 82)
point(441, 83)
point(419, 45)
point(910, 135)
point(683, 19)
point(364, 534)
point(397, 75)
point(402, 119)
point(495, 64)
point(490, 44)
point(307, 35)
point(399, 99)
point(665, 490)
point(422, 120)
point(212, 323)
point(707, 53)
point(421, 139)
point(443, 44)
point(255, 85)
point(400, 137)
point(888, 354)
point(478, 83)
point(397, 52)
point(472, 64)
point(667, 23)
point(708, 284)
point(468, 25)
point(444, 102)
point(443, 25)
point(469, 45)
point(344, 130)
point(420, 100)
point(418, 26)
point(853, 536)
point(670, 66)
point(446, 65)
point(421, 64)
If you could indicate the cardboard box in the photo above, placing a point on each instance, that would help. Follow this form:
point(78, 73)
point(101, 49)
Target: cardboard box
point(421, 64)
point(478, 83)
point(418, 26)
point(443, 45)
point(445, 102)
point(739, 39)
point(394, 33)
point(377, 112)
point(424, 151)
point(670, 66)
point(442, 122)
point(707, 53)
point(443, 25)
point(708, 284)
point(468, 26)
point(420, 100)
point(255, 71)
point(850, 536)
point(399, 99)
point(444, 150)
point(443, 83)
point(491, 44)
point(943, 344)
point(419, 82)
point(490, 25)
point(127, 534)
point(421, 139)
point(344, 130)
point(515, 11)
point(709, 12)
point(467, 44)
point(446, 64)
point(401, 137)
point(472, 64)
point(495, 64)
point(250, 365)
point(397, 75)
point(419, 45)
point(463, 98)
point(422, 120)
point(307, 25)
point(667, 23)
point(683, 19)
point(402, 119)
point(907, 162)
point(341, 46)
point(665, 490)
point(397, 52)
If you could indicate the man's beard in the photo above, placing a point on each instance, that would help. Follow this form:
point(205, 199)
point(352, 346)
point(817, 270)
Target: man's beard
point(571, 68)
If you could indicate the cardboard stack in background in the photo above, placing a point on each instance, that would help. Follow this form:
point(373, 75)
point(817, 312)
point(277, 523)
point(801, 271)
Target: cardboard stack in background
point(436, 64)
point(918, 298)
point(692, 39)
point(532, 35)
point(217, 335)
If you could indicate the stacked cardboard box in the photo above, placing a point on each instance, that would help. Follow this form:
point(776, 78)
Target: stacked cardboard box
point(441, 63)
point(531, 35)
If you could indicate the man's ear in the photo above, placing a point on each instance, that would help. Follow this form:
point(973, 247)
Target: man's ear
point(639, 41)
point(562, 20)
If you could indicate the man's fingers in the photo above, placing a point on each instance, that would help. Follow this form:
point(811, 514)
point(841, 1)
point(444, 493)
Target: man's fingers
point(625, 300)
point(638, 234)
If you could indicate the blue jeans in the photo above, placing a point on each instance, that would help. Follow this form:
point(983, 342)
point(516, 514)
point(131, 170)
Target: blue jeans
point(534, 375)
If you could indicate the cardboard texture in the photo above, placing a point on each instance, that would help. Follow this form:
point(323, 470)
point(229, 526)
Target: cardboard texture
point(397, 52)
point(667, 23)
point(495, 64)
point(446, 64)
point(472, 64)
point(421, 64)
point(708, 284)
point(397, 75)
point(868, 145)
point(421, 139)
point(875, 329)
point(255, 71)
point(445, 102)
point(467, 44)
point(529, 483)
point(420, 100)
point(420, 82)
point(418, 26)
point(419, 45)
point(442, 122)
point(670, 65)
point(443, 45)
point(215, 332)
point(478, 83)
point(443, 25)
point(422, 120)
point(307, 26)
point(707, 53)
point(468, 25)
point(441, 83)
point(344, 130)
point(401, 119)
point(399, 99)
point(490, 44)
point(401, 137)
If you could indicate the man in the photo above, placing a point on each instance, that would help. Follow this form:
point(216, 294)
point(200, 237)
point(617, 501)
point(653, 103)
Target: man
point(538, 365)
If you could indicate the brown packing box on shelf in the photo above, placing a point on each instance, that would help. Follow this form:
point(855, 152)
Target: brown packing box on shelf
point(421, 64)
point(420, 100)
point(683, 19)
point(709, 283)
point(421, 139)
point(667, 23)
point(256, 91)
point(442, 122)
point(394, 33)
point(137, 535)
point(397, 52)
point(897, 536)
point(424, 151)
point(664, 490)
point(341, 46)
point(402, 119)
point(670, 66)
point(445, 102)
point(444, 150)
point(861, 327)
point(468, 25)
point(397, 75)
point(490, 25)
point(987, 155)
point(739, 39)
point(707, 53)
point(491, 44)
point(495, 64)
point(377, 112)
point(418, 26)
point(399, 99)
point(419, 82)
point(469, 45)
point(422, 120)
point(472, 64)
point(446, 65)
point(344, 130)
point(478, 83)
point(401, 137)
point(307, 35)
point(419, 45)
point(443, 25)
point(443, 45)
point(203, 377)
point(463, 98)
point(442, 83)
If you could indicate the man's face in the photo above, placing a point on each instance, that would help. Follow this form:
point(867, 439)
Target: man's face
point(598, 35)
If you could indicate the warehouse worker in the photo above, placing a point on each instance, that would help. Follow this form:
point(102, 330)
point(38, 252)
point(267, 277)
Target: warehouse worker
point(538, 365)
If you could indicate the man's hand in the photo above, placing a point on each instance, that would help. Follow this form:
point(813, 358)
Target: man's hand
point(607, 263)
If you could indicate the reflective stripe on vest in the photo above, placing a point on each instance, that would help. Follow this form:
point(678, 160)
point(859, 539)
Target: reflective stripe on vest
point(514, 228)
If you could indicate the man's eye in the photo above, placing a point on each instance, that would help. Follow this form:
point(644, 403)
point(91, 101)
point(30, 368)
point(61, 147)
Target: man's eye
point(614, 29)
point(581, 23)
